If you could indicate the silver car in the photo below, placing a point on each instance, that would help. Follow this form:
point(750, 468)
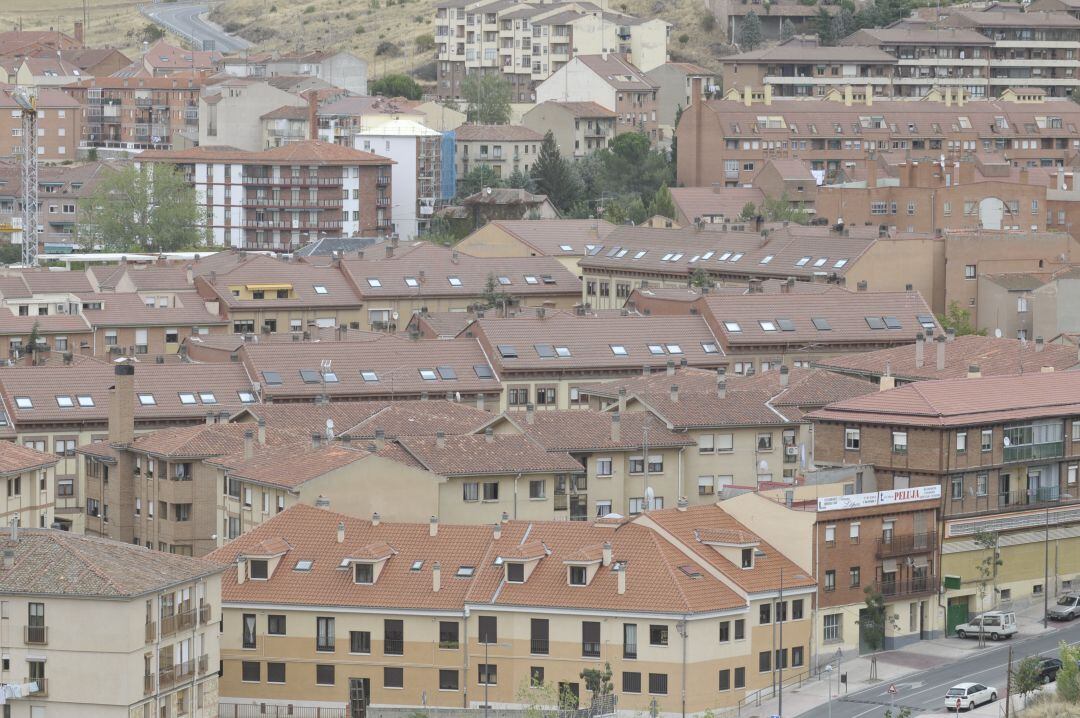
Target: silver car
point(1066, 609)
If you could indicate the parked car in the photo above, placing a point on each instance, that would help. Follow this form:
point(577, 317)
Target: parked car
point(994, 625)
point(965, 696)
point(1066, 609)
point(1048, 669)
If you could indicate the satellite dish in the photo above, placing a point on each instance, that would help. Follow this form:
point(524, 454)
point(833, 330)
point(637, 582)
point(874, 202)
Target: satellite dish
point(763, 467)
point(997, 333)
point(1008, 441)
point(395, 315)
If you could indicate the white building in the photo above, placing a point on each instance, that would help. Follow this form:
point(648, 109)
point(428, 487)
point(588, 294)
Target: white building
point(417, 153)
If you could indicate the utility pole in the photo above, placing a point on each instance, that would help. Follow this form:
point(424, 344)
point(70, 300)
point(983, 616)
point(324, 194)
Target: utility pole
point(1008, 684)
point(1046, 568)
point(780, 661)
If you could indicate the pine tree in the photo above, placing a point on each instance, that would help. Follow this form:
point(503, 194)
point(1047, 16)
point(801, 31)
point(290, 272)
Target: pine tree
point(663, 204)
point(554, 176)
point(787, 30)
point(750, 34)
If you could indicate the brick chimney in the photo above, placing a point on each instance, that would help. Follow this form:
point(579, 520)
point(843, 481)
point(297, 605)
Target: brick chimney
point(313, 114)
point(79, 34)
point(122, 406)
point(920, 349)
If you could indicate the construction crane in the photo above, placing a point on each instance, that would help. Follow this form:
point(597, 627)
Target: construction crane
point(28, 164)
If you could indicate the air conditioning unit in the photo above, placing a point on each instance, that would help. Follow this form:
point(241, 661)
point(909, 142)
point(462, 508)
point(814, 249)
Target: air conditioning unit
point(791, 450)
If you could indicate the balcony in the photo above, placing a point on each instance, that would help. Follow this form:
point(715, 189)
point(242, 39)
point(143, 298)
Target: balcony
point(302, 224)
point(382, 180)
point(629, 650)
point(1033, 452)
point(590, 649)
point(538, 646)
point(148, 683)
point(177, 622)
point(151, 631)
point(394, 647)
point(298, 180)
point(907, 587)
point(204, 614)
point(382, 202)
point(907, 544)
point(143, 102)
point(204, 663)
point(286, 203)
point(36, 635)
point(42, 686)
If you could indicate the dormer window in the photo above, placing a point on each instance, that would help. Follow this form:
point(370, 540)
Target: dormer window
point(259, 569)
point(515, 572)
point(748, 558)
point(363, 573)
point(578, 576)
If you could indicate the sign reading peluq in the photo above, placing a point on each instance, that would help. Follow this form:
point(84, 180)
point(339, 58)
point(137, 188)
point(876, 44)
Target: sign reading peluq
point(878, 498)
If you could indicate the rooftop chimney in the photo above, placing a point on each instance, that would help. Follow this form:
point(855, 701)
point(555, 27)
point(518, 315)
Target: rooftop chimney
point(646, 370)
point(321, 502)
point(622, 578)
point(380, 439)
point(261, 430)
point(1046, 369)
point(249, 444)
point(436, 577)
point(496, 531)
point(489, 435)
point(505, 517)
point(316, 439)
point(313, 112)
point(940, 352)
point(721, 385)
point(606, 553)
point(920, 348)
point(888, 381)
point(674, 392)
point(79, 34)
point(950, 334)
point(785, 376)
point(480, 402)
point(341, 532)
point(1039, 344)
point(389, 250)
point(433, 526)
point(616, 428)
point(671, 367)
point(440, 439)
point(861, 286)
point(682, 504)
point(376, 519)
point(973, 371)
point(530, 413)
point(122, 405)
point(622, 399)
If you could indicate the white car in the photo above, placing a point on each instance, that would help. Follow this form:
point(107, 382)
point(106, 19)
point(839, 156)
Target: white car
point(965, 696)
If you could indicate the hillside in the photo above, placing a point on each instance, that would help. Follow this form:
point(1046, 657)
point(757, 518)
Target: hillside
point(357, 25)
point(111, 22)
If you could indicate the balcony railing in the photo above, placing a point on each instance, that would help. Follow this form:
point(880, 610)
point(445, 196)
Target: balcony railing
point(301, 180)
point(42, 686)
point(382, 180)
point(36, 634)
point(910, 543)
point(394, 646)
point(177, 622)
point(590, 649)
point(629, 650)
point(1033, 452)
point(148, 683)
point(907, 587)
point(151, 631)
point(538, 646)
point(204, 613)
point(204, 663)
point(288, 224)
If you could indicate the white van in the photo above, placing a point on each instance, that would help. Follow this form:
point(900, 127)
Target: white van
point(994, 625)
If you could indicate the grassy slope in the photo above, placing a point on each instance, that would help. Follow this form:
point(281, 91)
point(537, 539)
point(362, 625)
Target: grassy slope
point(112, 22)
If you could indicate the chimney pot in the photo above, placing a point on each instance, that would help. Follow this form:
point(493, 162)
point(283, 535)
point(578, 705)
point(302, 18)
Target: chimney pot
point(440, 439)
point(530, 413)
point(950, 334)
point(249, 444)
point(341, 532)
point(622, 579)
point(496, 531)
point(1039, 344)
point(262, 430)
point(682, 504)
point(671, 367)
point(622, 399)
point(376, 519)
point(940, 340)
point(920, 348)
point(674, 392)
point(785, 375)
point(1046, 369)
point(489, 435)
point(436, 577)
point(433, 526)
point(973, 371)
point(505, 517)
point(616, 428)
point(721, 386)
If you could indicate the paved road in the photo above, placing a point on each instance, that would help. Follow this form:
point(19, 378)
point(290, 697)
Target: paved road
point(924, 691)
point(184, 20)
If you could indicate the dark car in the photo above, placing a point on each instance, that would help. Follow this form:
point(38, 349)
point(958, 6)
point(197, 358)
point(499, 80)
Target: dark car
point(1048, 669)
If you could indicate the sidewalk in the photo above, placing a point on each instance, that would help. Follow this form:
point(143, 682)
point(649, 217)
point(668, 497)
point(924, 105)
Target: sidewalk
point(892, 666)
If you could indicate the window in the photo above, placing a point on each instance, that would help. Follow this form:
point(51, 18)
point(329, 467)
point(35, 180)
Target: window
point(448, 680)
point(324, 634)
point(85, 401)
point(830, 580)
point(320, 289)
point(851, 439)
point(830, 536)
point(360, 641)
point(969, 271)
point(982, 480)
point(489, 630)
point(470, 491)
point(732, 326)
point(491, 491)
point(618, 350)
point(275, 672)
point(956, 488)
point(797, 656)
point(250, 671)
point(147, 400)
point(987, 438)
point(747, 558)
point(740, 677)
point(658, 684)
point(324, 675)
point(797, 609)
point(740, 629)
point(764, 442)
point(603, 467)
point(487, 674)
point(537, 488)
point(764, 661)
point(961, 442)
point(725, 443)
point(855, 574)
point(899, 442)
point(454, 281)
point(831, 627)
point(65, 402)
point(448, 634)
point(764, 614)
point(631, 682)
point(393, 677)
point(590, 639)
point(275, 625)
point(578, 576)
point(725, 631)
point(393, 637)
point(24, 402)
point(658, 635)
point(249, 630)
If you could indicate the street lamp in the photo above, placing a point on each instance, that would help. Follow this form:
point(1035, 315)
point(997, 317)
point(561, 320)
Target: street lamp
point(487, 672)
point(828, 684)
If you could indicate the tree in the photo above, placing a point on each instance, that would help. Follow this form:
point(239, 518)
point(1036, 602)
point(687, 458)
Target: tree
point(874, 619)
point(824, 28)
point(787, 30)
point(662, 203)
point(780, 209)
point(440, 231)
point(598, 681)
point(520, 180)
point(151, 208)
point(476, 179)
point(843, 24)
point(625, 209)
point(989, 565)
point(1026, 678)
point(631, 166)
point(493, 295)
point(701, 279)
point(749, 211)
point(749, 36)
point(554, 176)
point(35, 336)
point(425, 42)
point(487, 99)
point(959, 319)
point(397, 85)
point(388, 49)
point(541, 700)
point(1068, 678)
point(674, 152)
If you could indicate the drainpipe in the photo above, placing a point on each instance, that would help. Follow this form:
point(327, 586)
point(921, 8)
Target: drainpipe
point(516, 494)
point(465, 656)
point(685, 632)
point(682, 492)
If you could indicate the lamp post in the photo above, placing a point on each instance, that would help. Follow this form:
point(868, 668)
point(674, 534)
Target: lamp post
point(828, 684)
point(780, 656)
point(1046, 567)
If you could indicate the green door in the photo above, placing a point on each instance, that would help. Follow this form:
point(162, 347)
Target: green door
point(956, 614)
point(864, 642)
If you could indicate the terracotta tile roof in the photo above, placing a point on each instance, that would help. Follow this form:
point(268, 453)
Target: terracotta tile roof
point(687, 526)
point(357, 106)
point(205, 440)
point(143, 278)
point(392, 366)
point(525, 343)
point(963, 402)
point(302, 152)
point(835, 317)
point(689, 68)
point(694, 202)
point(418, 418)
point(726, 535)
point(478, 455)
point(46, 99)
point(585, 430)
point(374, 551)
point(286, 112)
point(583, 109)
point(15, 459)
point(93, 379)
point(916, 35)
point(525, 551)
point(496, 133)
point(290, 465)
point(441, 325)
point(993, 357)
point(431, 268)
point(801, 52)
point(269, 547)
point(44, 281)
point(1030, 19)
point(303, 278)
point(59, 563)
point(129, 309)
point(305, 418)
point(52, 324)
point(163, 55)
point(617, 72)
point(551, 237)
point(588, 554)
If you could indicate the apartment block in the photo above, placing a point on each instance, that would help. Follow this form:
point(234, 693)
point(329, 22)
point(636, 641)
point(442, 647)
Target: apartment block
point(728, 141)
point(234, 112)
point(60, 124)
point(77, 605)
point(281, 198)
point(60, 188)
point(579, 128)
point(137, 113)
point(440, 614)
point(340, 69)
point(997, 467)
point(799, 67)
point(501, 150)
point(29, 486)
point(529, 42)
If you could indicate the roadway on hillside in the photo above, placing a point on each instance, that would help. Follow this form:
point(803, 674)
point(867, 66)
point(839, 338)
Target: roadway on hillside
point(186, 21)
